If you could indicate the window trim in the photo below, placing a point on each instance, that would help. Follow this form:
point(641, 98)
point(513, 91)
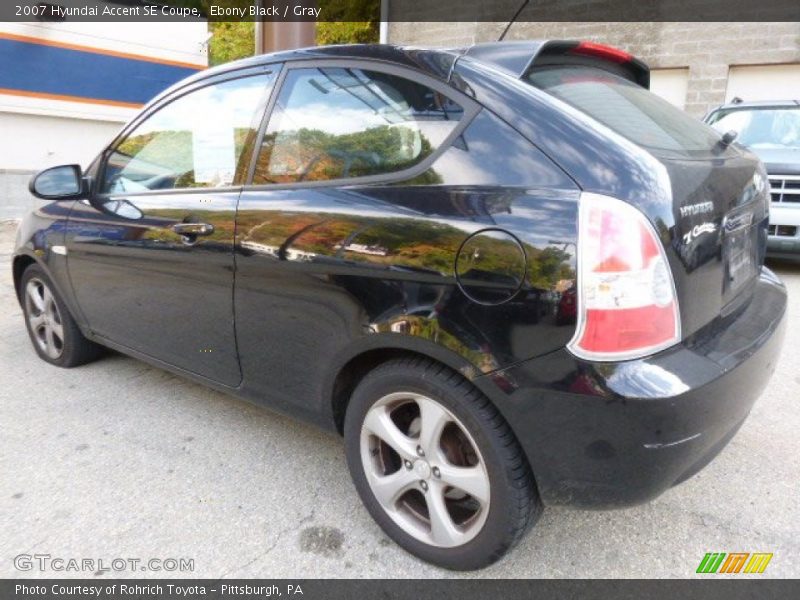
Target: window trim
point(471, 109)
point(257, 120)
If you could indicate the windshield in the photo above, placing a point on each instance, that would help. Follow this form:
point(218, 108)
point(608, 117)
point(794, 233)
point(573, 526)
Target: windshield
point(765, 128)
point(627, 108)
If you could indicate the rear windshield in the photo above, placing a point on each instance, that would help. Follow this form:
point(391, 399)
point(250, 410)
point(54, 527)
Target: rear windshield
point(761, 128)
point(627, 109)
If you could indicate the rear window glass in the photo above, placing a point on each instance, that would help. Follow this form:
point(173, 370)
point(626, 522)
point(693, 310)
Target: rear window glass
point(627, 109)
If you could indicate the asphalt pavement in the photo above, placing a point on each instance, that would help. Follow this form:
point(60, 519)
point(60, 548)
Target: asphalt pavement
point(118, 459)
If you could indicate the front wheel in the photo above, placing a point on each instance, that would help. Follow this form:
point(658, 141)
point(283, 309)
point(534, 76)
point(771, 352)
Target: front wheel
point(56, 337)
point(437, 466)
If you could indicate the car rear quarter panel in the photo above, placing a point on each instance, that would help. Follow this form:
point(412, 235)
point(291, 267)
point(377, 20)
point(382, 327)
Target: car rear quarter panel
point(325, 273)
point(604, 162)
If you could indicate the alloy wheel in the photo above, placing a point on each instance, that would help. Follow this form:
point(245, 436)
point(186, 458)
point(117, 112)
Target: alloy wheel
point(44, 318)
point(424, 469)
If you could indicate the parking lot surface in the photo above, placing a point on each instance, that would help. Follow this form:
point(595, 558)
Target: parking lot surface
point(118, 459)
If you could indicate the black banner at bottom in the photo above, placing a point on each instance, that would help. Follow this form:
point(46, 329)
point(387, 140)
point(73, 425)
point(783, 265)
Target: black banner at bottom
point(363, 589)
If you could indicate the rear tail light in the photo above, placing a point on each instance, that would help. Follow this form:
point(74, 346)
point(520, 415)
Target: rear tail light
point(627, 306)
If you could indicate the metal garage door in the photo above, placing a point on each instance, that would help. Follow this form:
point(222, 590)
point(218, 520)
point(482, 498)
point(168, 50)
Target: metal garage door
point(670, 84)
point(766, 82)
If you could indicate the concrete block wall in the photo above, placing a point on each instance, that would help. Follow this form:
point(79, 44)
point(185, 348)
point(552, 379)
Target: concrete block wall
point(707, 49)
point(15, 200)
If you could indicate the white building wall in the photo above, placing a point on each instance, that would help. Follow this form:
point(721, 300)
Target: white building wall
point(33, 142)
point(40, 130)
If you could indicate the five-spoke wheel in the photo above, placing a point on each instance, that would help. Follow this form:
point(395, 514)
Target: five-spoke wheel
point(55, 335)
point(436, 465)
point(424, 469)
point(44, 318)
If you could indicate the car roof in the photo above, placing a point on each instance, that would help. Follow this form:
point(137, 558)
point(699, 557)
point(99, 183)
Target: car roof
point(512, 57)
point(435, 61)
point(759, 104)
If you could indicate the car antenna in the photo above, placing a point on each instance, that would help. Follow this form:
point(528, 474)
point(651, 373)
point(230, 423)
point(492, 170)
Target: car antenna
point(514, 18)
point(729, 137)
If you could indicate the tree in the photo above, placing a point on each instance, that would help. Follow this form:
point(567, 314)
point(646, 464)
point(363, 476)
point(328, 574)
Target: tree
point(348, 22)
point(230, 41)
point(341, 22)
point(347, 32)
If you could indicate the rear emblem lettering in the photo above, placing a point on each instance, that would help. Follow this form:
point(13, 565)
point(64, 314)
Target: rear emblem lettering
point(700, 208)
point(699, 230)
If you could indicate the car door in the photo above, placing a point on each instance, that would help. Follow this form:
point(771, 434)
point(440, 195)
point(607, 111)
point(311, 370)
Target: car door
point(367, 183)
point(151, 256)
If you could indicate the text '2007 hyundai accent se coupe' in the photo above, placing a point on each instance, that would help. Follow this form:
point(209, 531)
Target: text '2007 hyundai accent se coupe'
point(508, 275)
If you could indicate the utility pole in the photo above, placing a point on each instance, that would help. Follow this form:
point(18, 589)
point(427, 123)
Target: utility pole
point(272, 36)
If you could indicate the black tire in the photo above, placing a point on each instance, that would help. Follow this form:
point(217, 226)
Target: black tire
point(75, 349)
point(514, 503)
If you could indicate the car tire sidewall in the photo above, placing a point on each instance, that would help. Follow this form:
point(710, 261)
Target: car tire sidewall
point(67, 323)
point(495, 536)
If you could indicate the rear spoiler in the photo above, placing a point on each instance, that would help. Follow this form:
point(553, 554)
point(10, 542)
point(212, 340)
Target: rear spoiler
point(518, 58)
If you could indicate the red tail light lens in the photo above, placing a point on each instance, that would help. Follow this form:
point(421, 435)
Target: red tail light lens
point(627, 306)
point(601, 51)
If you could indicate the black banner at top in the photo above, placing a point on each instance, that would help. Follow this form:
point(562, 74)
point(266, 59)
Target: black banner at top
point(401, 10)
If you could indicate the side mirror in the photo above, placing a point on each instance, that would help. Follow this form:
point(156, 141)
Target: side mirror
point(58, 183)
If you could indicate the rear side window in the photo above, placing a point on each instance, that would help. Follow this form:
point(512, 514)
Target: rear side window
point(627, 109)
point(339, 123)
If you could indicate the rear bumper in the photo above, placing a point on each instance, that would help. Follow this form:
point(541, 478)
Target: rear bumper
point(611, 435)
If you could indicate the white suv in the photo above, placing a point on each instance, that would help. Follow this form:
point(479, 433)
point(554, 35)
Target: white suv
point(771, 129)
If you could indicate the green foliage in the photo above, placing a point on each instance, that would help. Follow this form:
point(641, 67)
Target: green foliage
point(230, 41)
point(341, 22)
point(348, 21)
point(550, 265)
point(347, 32)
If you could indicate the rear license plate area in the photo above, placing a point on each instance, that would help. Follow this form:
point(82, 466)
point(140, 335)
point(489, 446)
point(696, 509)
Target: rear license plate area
point(739, 253)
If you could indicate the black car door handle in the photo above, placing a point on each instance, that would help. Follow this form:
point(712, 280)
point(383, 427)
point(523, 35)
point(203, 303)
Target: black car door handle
point(193, 229)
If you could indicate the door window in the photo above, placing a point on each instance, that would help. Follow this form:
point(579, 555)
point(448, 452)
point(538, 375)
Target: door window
point(337, 123)
point(199, 140)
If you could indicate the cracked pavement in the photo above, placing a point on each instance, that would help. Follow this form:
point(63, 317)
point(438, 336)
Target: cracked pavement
point(120, 459)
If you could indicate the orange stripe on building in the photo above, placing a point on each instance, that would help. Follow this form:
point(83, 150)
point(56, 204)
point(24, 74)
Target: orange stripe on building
point(80, 99)
point(69, 46)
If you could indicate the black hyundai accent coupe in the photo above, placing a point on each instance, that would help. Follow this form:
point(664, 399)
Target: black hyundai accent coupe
point(508, 274)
